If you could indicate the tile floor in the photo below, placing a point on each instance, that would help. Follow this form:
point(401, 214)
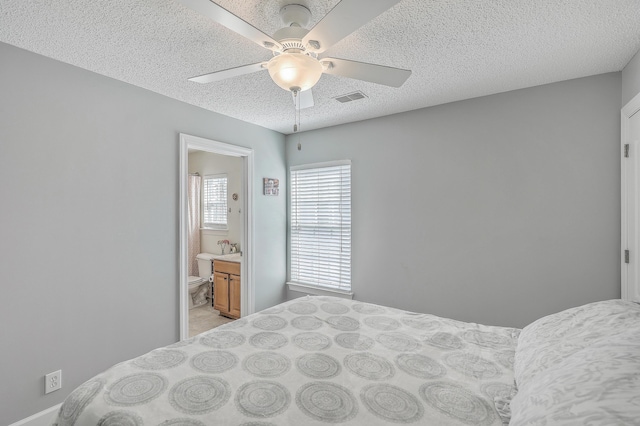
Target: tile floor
point(204, 318)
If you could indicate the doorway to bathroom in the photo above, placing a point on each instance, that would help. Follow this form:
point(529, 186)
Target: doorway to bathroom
point(223, 230)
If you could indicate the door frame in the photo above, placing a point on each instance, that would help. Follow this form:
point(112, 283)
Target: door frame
point(630, 183)
point(247, 291)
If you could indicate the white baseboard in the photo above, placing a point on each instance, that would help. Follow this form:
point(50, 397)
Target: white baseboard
point(43, 418)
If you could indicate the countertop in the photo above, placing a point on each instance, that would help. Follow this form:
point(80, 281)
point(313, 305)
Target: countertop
point(231, 257)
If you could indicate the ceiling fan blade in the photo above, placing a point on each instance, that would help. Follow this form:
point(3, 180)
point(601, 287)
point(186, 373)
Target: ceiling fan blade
point(305, 101)
point(231, 72)
point(346, 17)
point(231, 21)
point(379, 74)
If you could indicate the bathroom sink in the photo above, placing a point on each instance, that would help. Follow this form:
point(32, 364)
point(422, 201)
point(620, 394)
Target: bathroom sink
point(232, 257)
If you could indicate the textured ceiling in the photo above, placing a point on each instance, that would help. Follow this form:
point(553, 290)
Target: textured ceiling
point(456, 50)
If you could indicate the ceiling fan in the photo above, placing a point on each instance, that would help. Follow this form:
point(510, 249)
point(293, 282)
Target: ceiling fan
point(295, 65)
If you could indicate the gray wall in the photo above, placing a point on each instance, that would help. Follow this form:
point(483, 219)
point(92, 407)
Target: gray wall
point(89, 222)
point(631, 79)
point(496, 210)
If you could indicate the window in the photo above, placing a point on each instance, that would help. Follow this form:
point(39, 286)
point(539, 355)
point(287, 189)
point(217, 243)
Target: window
point(320, 228)
point(215, 202)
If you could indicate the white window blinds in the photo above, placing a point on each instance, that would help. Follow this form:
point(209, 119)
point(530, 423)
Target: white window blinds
point(321, 225)
point(215, 201)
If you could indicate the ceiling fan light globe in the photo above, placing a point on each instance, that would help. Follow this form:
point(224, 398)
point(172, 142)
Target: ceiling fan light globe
point(294, 70)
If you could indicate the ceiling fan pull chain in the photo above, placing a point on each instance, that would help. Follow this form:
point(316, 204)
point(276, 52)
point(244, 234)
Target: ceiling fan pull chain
point(298, 111)
point(296, 100)
point(295, 111)
point(296, 127)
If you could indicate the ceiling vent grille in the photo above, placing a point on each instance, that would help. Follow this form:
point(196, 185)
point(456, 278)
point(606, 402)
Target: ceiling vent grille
point(350, 97)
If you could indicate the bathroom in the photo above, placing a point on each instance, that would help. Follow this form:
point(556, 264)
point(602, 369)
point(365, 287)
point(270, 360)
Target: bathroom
point(215, 229)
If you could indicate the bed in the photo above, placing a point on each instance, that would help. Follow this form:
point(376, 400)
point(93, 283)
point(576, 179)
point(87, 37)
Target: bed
point(324, 360)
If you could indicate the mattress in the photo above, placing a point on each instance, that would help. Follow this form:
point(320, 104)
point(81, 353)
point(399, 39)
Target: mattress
point(311, 361)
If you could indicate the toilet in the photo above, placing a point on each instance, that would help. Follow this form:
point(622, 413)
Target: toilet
point(199, 286)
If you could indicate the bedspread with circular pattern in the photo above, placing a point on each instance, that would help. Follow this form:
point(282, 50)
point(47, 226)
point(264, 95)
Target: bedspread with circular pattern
point(310, 361)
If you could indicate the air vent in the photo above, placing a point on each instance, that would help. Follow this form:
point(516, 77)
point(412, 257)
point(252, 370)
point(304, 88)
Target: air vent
point(350, 97)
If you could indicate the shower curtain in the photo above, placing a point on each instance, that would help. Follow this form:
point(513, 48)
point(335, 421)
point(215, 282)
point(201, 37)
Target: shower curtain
point(194, 223)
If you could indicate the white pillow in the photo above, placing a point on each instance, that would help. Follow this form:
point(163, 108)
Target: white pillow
point(550, 340)
point(598, 385)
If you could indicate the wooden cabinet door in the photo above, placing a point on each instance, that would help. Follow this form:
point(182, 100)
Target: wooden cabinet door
point(234, 295)
point(221, 292)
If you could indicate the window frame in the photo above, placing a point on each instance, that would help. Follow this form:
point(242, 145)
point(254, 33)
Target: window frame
point(215, 225)
point(342, 288)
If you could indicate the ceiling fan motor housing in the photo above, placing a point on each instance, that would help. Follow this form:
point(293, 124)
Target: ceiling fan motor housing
point(291, 38)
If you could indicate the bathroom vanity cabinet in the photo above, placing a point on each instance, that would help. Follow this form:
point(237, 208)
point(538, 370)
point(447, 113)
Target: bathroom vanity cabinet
point(226, 288)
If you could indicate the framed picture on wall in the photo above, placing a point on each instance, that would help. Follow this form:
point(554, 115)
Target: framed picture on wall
point(271, 186)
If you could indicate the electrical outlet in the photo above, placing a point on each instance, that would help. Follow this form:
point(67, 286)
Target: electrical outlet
point(53, 381)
